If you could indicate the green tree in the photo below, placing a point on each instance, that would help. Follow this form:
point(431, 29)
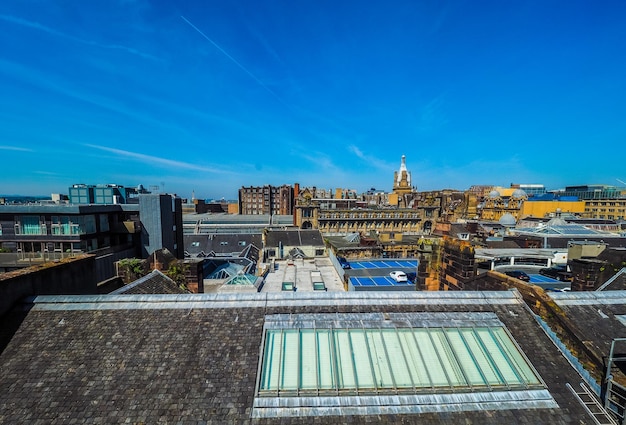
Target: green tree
point(177, 271)
point(131, 269)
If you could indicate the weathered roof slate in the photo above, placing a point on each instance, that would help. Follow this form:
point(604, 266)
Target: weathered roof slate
point(194, 358)
point(595, 314)
point(221, 243)
point(154, 282)
point(297, 237)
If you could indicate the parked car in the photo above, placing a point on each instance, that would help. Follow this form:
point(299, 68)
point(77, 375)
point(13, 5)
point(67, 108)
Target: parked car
point(558, 289)
point(344, 263)
point(518, 274)
point(398, 276)
point(557, 272)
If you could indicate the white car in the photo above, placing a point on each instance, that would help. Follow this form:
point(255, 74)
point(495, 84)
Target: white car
point(398, 276)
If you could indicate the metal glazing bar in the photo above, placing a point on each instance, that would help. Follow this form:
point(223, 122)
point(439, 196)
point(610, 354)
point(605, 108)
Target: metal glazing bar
point(508, 358)
point(354, 369)
point(421, 355)
point(369, 358)
point(445, 372)
point(493, 363)
point(472, 355)
point(406, 361)
point(393, 378)
point(455, 357)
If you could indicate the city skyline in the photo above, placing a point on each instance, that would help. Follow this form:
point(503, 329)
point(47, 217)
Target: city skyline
point(210, 96)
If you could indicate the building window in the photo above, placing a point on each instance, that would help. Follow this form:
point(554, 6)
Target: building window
point(61, 225)
point(30, 225)
point(341, 358)
point(104, 222)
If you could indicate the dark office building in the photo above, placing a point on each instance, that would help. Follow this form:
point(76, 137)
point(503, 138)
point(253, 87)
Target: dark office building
point(161, 224)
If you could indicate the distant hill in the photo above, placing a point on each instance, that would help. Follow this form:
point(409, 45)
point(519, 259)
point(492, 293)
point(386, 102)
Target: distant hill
point(20, 199)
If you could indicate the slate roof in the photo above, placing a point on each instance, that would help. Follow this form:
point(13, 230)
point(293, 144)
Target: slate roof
point(596, 316)
point(194, 358)
point(503, 244)
point(297, 237)
point(154, 282)
point(615, 283)
point(221, 243)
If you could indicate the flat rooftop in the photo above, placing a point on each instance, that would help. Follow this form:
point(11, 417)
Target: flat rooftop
point(300, 269)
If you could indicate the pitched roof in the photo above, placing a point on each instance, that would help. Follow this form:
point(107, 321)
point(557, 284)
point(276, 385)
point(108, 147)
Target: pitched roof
point(154, 282)
point(296, 237)
point(195, 358)
point(616, 283)
point(220, 243)
point(598, 317)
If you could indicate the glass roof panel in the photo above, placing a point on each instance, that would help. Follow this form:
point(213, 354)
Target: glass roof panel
point(390, 359)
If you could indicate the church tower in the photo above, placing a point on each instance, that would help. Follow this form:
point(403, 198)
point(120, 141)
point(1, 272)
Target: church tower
point(402, 179)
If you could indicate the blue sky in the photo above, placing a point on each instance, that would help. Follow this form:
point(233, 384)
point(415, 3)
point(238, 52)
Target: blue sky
point(214, 95)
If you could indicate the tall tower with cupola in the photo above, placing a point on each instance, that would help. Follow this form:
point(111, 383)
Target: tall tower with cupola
point(402, 179)
point(402, 189)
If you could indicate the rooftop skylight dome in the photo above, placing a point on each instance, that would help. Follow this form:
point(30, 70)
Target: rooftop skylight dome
point(519, 194)
point(494, 194)
point(507, 220)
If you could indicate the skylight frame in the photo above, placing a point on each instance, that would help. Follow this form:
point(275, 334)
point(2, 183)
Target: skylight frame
point(448, 334)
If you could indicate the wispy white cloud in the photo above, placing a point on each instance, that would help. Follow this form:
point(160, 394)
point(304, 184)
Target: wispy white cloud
point(149, 159)
point(440, 19)
point(320, 161)
point(372, 161)
point(236, 62)
point(37, 26)
point(14, 148)
point(70, 89)
point(46, 173)
point(30, 24)
point(432, 116)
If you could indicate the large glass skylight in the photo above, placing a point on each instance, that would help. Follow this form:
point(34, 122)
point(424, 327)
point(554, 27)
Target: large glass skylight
point(392, 360)
point(351, 363)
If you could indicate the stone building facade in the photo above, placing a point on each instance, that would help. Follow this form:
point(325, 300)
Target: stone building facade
point(496, 204)
point(403, 211)
point(266, 200)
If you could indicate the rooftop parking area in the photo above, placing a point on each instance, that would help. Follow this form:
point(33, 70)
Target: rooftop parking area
point(540, 280)
point(374, 274)
point(383, 264)
point(380, 281)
